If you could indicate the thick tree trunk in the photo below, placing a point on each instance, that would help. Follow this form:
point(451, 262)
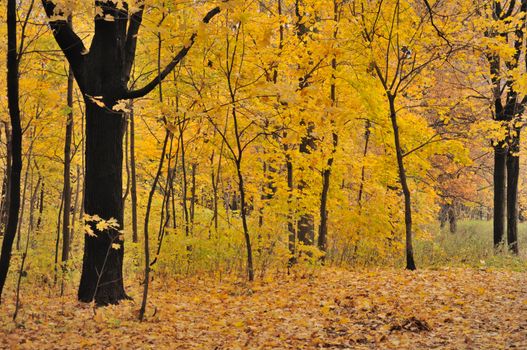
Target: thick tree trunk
point(16, 142)
point(102, 276)
point(513, 172)
point(500, 178)
point(102, 73)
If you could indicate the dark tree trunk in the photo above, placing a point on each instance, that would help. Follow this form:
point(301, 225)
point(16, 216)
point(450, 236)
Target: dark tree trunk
point(452, 218)
point(443, 215)
point(5, 184)
point(410, 264)
point(290, 223)
point(57, 238)
point(215, 179)
point(184, 185)
point(306, 229)
point(193, 196)
point(323, 228)
point(513, 172)
point(75, 206)
point(306, 223)
point(146, 236)
point(102, 276)
point(133, 190)
point(102, 73)
point(67, 169)
point(500, 178)
point(367, 132)
point(41, 205)
point(9, 156)
point(16, 142)
point(326, 173)
point(243, 212)
point(23, 203)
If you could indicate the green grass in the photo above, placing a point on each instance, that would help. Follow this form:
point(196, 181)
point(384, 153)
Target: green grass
point(472, 245)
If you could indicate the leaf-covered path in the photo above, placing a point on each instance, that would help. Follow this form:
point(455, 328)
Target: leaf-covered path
point(332, 309)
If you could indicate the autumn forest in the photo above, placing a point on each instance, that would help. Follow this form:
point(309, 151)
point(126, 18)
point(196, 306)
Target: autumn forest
point(267, 174)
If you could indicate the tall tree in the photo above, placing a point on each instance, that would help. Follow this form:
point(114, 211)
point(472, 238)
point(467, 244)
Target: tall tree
point(67, 168)
point(103, 73)
point(508, 107)
point(16, 141)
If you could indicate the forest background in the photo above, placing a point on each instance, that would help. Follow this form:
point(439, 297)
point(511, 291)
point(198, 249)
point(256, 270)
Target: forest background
point(256, 139)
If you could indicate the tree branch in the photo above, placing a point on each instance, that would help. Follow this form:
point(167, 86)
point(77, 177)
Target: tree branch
point(131, 39)
point(69, 42)
point(181, 54)
point(439, 32)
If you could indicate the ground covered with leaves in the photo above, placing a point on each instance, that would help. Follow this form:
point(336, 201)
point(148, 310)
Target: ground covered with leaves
point(328, 308)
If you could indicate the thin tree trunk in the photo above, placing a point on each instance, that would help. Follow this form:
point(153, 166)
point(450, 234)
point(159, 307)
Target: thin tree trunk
point(326, 173)
point(500, 193)
point(133, 190)
point(23, 203)
point(243, 210)
point(165, 205)
point(16, 142)
point(83, 162)
point(41, 205)
point(193, 196)
point(367, 133)
point(126, 158)
point(410, 264)
point(184, 188)
point(214, 195)
point(57, 239)
point(9, 156)
point(290, 224)
point(75, 206)
point(513, 172)
point(452, 219)
point(21, 272)
point(147, 218)
point(67, 168)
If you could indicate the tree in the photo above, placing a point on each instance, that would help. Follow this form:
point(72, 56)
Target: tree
point(399, 55)
point(16, 141)
point(102, 73)
point(506, 31)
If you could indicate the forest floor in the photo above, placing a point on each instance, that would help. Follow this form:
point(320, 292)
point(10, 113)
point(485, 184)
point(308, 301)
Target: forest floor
point(450, 308)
